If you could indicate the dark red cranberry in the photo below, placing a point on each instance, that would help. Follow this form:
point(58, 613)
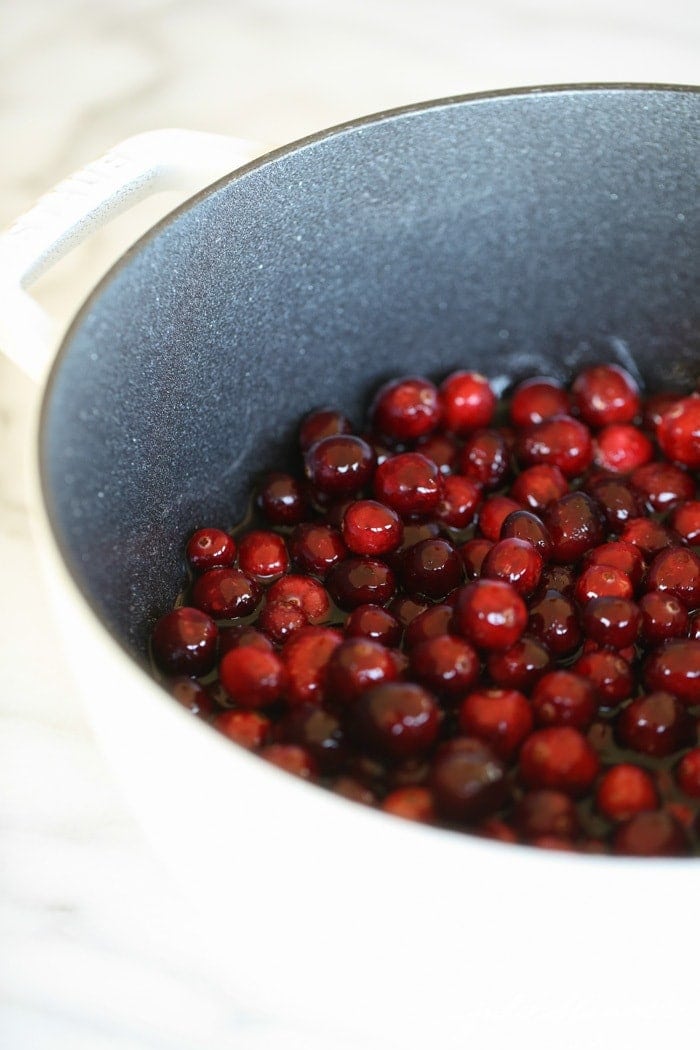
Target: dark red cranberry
point(535, 400)
point(663, 485)
point(468, 402)
point(654, 834)
point(655, 407)
point(598, 581)
point(544, 812)
point(485, 458)
point(445, 664)
point(322, 423)
point(239, 635)
point(502, 718)
point(406, 609)
point(625, 790)
point(520, 666)
point(460, 499)
point(516, 562)
point(559, 758)
point(263, 554)
point(685, 520)
point(249, 729)
point(676, 571)
point(226, 593)
point(371, 621)
point(536, 487)
point(280, 620)
point(560, 441)
point(473, 554)
point(554, 622)
point(433, 621)
point(441, 449)
point(655, 724)
point(678, 433)
point(411, 803)
point(252, 677)
point(359, 581)
point(340, 465)
point(574, 524)
point(291, 758)
point(625, 557)
point(318, 732)
point(210, 549)
point(605, 394)
point(192, 695)
point(663, 617)
point(308, 594)
point(618, 502)
point(355, 665)
point(561, 698)
point(490, 614)
point(688, 773)
point(694, 625)
point(397, 719)
point(409, 483)
point(431, 569)
point(467, 779)
point(405, 409)
point(649, 536)
point(281, 500)
point(613, 622)
point(621, 448)
point(524, 525)
point(371, 528)
point(493, 513)
point(609, 673)
point(316, 548)
point(560, 578)
point(675, 667)
point(305, 657)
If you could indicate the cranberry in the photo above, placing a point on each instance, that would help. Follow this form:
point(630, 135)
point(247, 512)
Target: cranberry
point(406, 610)
point(371, 528)
point(685, 520)
point(618, 501)
point(281, 500)
point(339, 465)
point(371, 621)
point(560, 758)
point(536, 487)
point(609, 673)
point(250, 729)
point(575, 526)
point(544, 812)
point(192, 695)
point(308, 594)
point(441, 449)
point(678, 433)
point(688, 773)
point(612, 621)
point(305, 657)
point(598, 581)
point(433, 621)
point(663, 617)
point(560, 441)
point(561, 698)
point(407, 408)
point(485, 458)
point(318, 732)
point(655, 724)
point(460, 498)
point(675, 667)
point(290, 758)
point(663, 485)
point(397, 719)
point(694, 625)
point(655, 408)
point(431, 569)
point(183, 642)
point(411, 803)
point(354, 790)
point(280, 620)
point(491, 614)
point(493, 513)
point(358, 581)
point(316, 548)
point(502, 718)
point(648, 536)
point(445, 664)
point(263, 554)
point(240, 635)
point(226, 593)
point(676, 571)
point(625, 790)
point(554, 622)
point(516, 562)
point(473, 554)
point(605, 394)
point(535, 400)
point(625, 557)
point(524, 525)
point(252, 677)
point(654, 834)
point(409, 483)
point(322, 423)
point(621, 448)
point(498, 830)
point(520, 666)
point(560, 578)
point(356, 665)
point(210, 549)
point(467, 779)
point(468, 402)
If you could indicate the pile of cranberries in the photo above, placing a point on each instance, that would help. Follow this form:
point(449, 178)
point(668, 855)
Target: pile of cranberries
point(474, 614)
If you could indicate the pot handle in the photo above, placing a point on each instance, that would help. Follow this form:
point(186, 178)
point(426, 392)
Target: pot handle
point(135, 169)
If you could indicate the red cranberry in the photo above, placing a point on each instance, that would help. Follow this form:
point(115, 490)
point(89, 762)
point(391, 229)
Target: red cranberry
point(663, 617)
point(409, 483)
point(535, 400)
point(678, 433)
point(308, 594)
point(498, 830)
point(560, 441)
point(524, 525)
point(560, 758)
point(358, 581)
point(226, 593)
point(281, 500)
point(544, 812)
point(249, 729)
point(263, 554)
point(431, 569)
point(676, 571)
point(609, 673)
point(397, 719)
point(685, 520)
point(406, 610)
point(411, 803)
point(192, 695)
point(663, 485)
point(473, 554)
point(322, 423)
point(625, 790)
point(371, 621)
point(561, 698)
point(280, 620)
point(485, 458)
point(441, 449)
point(356, 665)
point(621, 448)
point(648, 536)
point(612, 621)
point(502, 718)
point(516, 562)
point(445, 664)
point(467, 779)
point(655, 407)
point(252, 677)
point(460, 499)
point(605, 394)
point(317, 548)
point(183, 642)
point(520, 666)
point(688, 773)
point(490, 614)
point(560, 578)
point(305, 657)
point(618, 501)
point(625, 557)
point(318, 732)
point(339, 465)
point(654, 834)
point(538, 486)
point(574, 525)
point(371, 528)
point(432, 622)
point(655, 724)
point(407, 408)
point(240, 635)
point(290, 758)
point(210, 549)
point(493, 513)
point(554, 622)
point(598, 581)
point(694, 625)
point(468, 402)
point(675, 667)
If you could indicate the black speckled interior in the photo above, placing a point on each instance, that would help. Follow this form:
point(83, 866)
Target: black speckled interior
point(515, 233)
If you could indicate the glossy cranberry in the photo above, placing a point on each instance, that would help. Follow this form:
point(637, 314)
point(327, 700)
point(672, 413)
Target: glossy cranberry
point(441, 449)
point(290, 758)
point(460, 500)
point(574, 524)
point(322, 423)
point(359, 581)
point(554, 622)
point(280, 620)
point(688, 773)
point(445, 664)
point(609, 674)
point(655, 407)
point(515, 562)
point(239, 635)
point(502, 718)
point(431, 569)
point(625, 557)
point(694, 625)
point(406, 609)
point(317, 548)
point(685, 520)
point(535, 400)
point(405, 409)
point(340, 465)
point(263, 554)
point(306, 593)
point(318, 732)
point(654, 834)
point(605, 394)
point(249, 729)
point(611, 621)
point(561, 441)
point(490, 614)
point(678, 433)
point(281, 499)
point(493, 513)
point(655, 724)
point(226, 593)
point(619, 502)
point(252, 677)
point(305, 657)
point(625, 790)
point(675, 667)
point(210, 549)
point(621, 448)
point(560, 578)
point(409, 483)
point(473, 554)
point(524, 525)
point(192, 695)
point(356, 665)
point(485, 458)
point(397, 719)
point(598, 581)
point(663, 617)
point(431, 622)
point(559, 758)
point(663, 485)
point(467, 779)
point(413, 532)
point(371, 528)
point(649, 536)
point(520, 666)
point(676, 571)
point(561, 698)
point(545, 812)
point(468, 402)
point(411, 803)
point(371, 621)
point(536, 487)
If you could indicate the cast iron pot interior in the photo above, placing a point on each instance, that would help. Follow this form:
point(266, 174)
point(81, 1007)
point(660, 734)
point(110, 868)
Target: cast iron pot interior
point(515, 234)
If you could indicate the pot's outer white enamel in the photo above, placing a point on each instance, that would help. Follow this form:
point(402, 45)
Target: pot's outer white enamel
point(406, 935)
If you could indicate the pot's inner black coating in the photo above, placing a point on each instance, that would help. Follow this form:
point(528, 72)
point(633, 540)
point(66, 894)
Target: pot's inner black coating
point(516, 235)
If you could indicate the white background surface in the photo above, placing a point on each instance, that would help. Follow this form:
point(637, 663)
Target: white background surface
point(97, 949)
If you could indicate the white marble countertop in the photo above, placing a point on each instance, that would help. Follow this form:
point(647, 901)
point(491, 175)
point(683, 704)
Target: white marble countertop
point(97, 950)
